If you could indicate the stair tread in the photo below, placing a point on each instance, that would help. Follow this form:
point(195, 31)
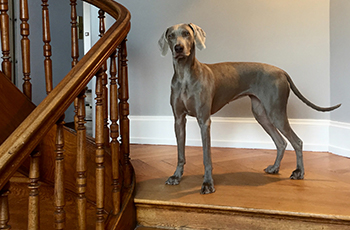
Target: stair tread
point(148, 228)
point(18, 203)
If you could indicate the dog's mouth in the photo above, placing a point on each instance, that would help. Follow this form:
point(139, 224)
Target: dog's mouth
point(180, 55)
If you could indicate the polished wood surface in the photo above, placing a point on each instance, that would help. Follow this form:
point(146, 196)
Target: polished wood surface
point(18, 202)
point(102, 30)
point(33, 201)
point(25, 48)
point(115, 145)
point(81, 164)
point(242, 185)
point(5, 39)
point(15, 107)
point(47, 46)
point(4, 207)
point(59, 185)
point(124, 111)
point(100, 152)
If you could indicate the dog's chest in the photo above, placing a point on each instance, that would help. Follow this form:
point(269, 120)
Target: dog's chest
point(184, 96)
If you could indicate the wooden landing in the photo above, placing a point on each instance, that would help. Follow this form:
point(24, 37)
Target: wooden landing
point(245, 197)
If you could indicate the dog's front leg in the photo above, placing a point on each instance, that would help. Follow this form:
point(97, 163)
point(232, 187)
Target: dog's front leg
point(180, 132)
point(208, 182)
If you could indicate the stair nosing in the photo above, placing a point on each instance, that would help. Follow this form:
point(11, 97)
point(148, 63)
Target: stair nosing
point(140, 202)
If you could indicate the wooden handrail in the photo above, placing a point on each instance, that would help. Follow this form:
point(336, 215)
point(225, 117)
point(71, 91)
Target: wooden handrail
point(30, 132)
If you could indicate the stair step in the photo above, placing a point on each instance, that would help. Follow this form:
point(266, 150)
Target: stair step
point(175, 215)
point(245, 197)
point(148, 228)
point(18, 203)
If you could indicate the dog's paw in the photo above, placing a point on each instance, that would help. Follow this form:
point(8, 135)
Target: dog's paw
point(297, 175)
point(173, 180)
point(207, 188)
point(271, 169)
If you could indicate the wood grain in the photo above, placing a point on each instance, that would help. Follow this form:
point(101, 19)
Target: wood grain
point(241, 183)
point(6, 65)
point(18, 202)
point(15, 107)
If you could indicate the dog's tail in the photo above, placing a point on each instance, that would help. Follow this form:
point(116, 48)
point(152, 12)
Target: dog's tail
point(306, 101)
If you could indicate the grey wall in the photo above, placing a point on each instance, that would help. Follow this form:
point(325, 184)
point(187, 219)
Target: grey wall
point(340, 58)
point(307, 38)
point(293, 35)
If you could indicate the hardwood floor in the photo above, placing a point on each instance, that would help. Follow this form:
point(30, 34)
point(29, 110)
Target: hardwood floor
point(241, 187)
point(241, 183)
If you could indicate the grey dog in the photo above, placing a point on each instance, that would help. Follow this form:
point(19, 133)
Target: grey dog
point(199, 90)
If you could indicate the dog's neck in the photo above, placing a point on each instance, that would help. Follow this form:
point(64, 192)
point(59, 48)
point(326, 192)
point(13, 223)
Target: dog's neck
point(184, 66)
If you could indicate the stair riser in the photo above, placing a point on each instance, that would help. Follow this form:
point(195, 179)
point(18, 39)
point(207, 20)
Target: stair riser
point(201, 218)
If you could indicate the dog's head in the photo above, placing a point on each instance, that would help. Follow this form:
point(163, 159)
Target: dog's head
point(181, 39)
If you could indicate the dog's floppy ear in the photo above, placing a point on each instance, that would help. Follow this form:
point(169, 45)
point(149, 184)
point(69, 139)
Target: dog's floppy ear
point(199, 36)
point(163, 44)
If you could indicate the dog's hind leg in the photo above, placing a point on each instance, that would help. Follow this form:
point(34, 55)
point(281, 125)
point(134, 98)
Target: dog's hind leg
point(278, 117)
point(180, 132)
point(261, 117)
point(284, 127)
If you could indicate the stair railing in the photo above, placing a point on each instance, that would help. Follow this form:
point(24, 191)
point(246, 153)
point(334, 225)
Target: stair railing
point(24, 140)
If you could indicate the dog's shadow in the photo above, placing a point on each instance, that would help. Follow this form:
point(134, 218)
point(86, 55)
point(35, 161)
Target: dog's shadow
point(252, 179)
point(191, 184)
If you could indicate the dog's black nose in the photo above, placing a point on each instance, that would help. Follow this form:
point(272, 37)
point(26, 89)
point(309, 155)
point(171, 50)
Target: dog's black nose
point(179, 48)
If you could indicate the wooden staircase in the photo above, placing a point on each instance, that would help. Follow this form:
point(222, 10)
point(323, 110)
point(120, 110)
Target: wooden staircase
point(71, 180)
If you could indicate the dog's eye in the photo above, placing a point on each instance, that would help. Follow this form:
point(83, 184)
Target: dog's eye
point(170, 36)
point(186, 34)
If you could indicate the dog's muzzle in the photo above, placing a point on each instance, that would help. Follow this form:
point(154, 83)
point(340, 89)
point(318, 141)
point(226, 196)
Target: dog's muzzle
point(179, 51)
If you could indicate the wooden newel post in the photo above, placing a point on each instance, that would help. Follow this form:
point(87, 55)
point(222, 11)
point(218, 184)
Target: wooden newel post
point(124, 111)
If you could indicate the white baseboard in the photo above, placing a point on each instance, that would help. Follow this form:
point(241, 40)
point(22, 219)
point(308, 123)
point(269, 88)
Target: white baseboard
point(339, 140)
point(317, 135)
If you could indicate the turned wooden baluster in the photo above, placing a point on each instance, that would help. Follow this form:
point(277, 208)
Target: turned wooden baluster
point(25, 46)
point(74, 49)
point(74, 32)
point(99, 138)
point(4, 207)
point(102, 28)
point(114, 134)
point(47, 46)
point(60, 214)
point(5, 40)
point(81, 162)
point(124, 111)
point(33, 203)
